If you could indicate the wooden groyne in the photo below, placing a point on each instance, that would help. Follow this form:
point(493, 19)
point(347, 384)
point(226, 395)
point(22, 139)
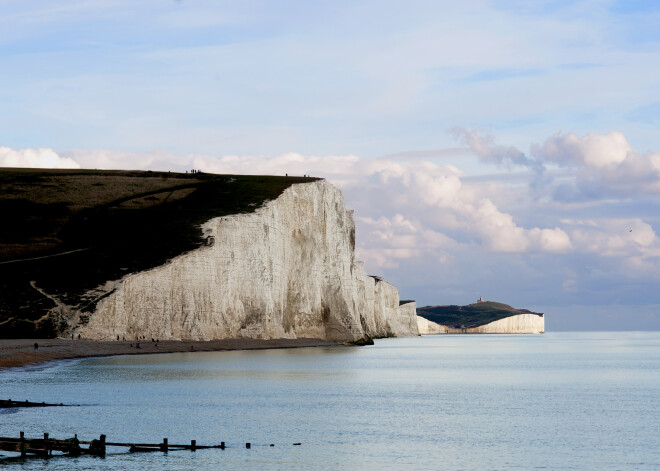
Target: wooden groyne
point(8, 404)
point(45, 446)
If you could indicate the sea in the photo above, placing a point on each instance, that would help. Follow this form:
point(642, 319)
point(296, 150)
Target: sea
point(557, 401)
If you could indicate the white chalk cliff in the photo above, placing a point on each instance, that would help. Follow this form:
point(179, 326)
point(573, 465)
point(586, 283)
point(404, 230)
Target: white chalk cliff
point(427, 327)
point(518, 324)
point(286, 270)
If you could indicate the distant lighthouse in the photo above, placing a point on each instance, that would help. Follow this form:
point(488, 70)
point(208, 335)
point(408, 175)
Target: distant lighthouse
point(481, 300)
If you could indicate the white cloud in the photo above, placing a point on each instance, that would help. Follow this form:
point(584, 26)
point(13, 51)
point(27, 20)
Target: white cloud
point(386, 241)
point(117, 160)
point(550, 240)
point(597, 166)
point(593, 150)
point(485, 148)
point(615, 237)
point(34, 158)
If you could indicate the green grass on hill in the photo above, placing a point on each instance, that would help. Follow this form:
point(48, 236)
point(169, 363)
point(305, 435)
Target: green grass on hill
point(69, 231)
point(472, 315)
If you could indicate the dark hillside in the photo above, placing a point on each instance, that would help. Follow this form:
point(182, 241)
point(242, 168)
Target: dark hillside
point(472, 315)
point(65, 232)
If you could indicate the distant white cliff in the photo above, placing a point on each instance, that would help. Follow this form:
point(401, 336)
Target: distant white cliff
point(518, 324)
point(287, 270)
point(427, 327)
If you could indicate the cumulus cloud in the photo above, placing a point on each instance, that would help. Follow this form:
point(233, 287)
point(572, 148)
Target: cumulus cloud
point(627, 248)
point(485, 148)
point(606, 165)
point(601, 165)
point(593, 150)
point(389, 240)
point(343, 168)
point(34, 158)
point(116, 160)
point(502, 234)
point(615, 237)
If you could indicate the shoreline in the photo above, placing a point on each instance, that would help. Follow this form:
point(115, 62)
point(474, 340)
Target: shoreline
point(16, 353)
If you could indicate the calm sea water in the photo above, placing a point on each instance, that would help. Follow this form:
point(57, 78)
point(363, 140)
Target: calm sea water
point(482, 402)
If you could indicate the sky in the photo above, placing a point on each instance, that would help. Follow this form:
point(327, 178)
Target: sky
point(504, 149)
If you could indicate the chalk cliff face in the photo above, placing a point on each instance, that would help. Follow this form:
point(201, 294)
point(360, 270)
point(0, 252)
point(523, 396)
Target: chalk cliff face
point(427, 327)
point(286, 270)
point(518, 324)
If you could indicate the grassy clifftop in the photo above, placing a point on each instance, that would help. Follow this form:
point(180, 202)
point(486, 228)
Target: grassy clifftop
point(65, 232)
point(472, 315)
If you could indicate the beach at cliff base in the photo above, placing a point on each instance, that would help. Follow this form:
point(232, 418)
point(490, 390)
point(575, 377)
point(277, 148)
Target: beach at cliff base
point(22, 352)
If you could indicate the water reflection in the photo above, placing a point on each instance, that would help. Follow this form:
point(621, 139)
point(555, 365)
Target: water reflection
point(451, 402)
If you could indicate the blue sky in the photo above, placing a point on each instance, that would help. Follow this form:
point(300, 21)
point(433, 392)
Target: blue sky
point(490, 148)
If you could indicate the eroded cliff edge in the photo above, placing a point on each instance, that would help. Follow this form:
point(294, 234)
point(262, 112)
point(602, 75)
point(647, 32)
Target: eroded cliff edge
point(287, 270)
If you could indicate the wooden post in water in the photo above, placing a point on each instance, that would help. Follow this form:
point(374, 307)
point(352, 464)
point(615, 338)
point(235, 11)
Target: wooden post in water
point(97, 447)
point(47, 449)
point(222, 445)
point(247, 445)
point(163, 446)
point(22, 444)
point(193, 445)
point(75, 447)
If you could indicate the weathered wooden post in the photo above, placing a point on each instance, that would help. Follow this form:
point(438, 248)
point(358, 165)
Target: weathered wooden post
point(163, 446)
point(97, 447)
point(47, 445)
point(193, 445)
point(248, 445)
point(22, 444)
point(74, 450)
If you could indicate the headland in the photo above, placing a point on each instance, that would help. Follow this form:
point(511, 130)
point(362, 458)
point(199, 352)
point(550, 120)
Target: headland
point(482, 317)
point(110, 255)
